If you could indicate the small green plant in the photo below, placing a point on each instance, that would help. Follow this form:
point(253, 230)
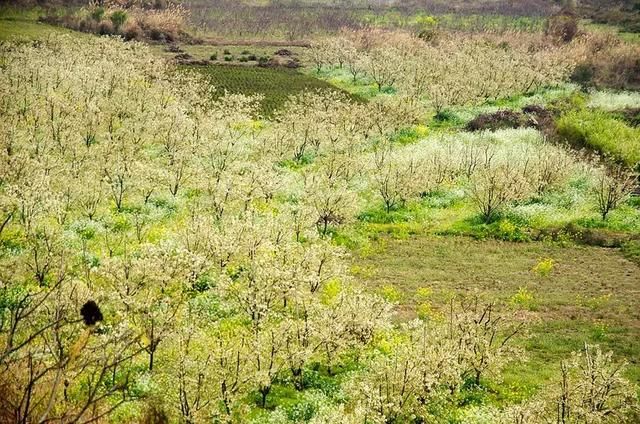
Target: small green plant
point(545, 267)
point(228, 58)
point(98, 14)
point(226, 51)
point(118, 18)
point(523, 298)
point(598, 302)
point(214, 56)
point(390, 293)
point(424, 309)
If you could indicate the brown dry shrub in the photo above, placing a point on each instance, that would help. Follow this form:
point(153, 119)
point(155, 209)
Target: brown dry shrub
point(105, 27)
point(501, 119)
point(131, 30)
point(563, 26)
point(608, 62)
point(162, 25)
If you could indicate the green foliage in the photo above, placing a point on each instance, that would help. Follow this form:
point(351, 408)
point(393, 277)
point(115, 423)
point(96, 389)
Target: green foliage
point(118, 18)
point(545, 267)
point(98, 14)
point(410, 135)
point(523, 299)
point(500, 229)
point(603, 133)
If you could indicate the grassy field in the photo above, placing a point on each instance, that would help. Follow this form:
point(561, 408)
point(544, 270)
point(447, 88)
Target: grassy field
point(275, 84)
point(591, 294)
point(26, 28)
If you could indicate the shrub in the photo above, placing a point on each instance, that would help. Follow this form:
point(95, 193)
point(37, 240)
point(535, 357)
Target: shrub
point(226, 51)
point(252, 57)
point(584, 74)
point(246, 52)
point(214, 56)
point(545, 267)
point(84, 25)
point(118, 18)
point(228, 58)
point(155, 34)
point(162, 25)
point(97, 14)
point(492, 188)
point(500, 120)
point(610, 63)
point(615, 183)
point(523, 298)
point(243, 59)
point(563, 26)
point(131, 31)
point(105, 28)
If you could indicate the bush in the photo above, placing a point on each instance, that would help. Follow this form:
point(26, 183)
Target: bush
point(226, 51)
point(252, 57)
point(214, 56)
point(228, 58)
point(563, 26)
point(131, 31)
point(245, 52)
point(503, 119)
point(98, 14)
point(84, 25)
point(156, 34)
point(243, 59)
point(584, 74)
point(118, 18)
point(105, 28)
point(610, 63)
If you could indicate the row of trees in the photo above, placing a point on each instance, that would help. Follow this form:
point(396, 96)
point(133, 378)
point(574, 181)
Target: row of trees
point(454, 69)
point(164, 256)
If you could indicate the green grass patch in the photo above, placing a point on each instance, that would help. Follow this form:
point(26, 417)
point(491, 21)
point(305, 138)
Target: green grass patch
point(28, 30)
point(586, 294)
point(602, 132)
point(274, 84)
point(22, 24)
